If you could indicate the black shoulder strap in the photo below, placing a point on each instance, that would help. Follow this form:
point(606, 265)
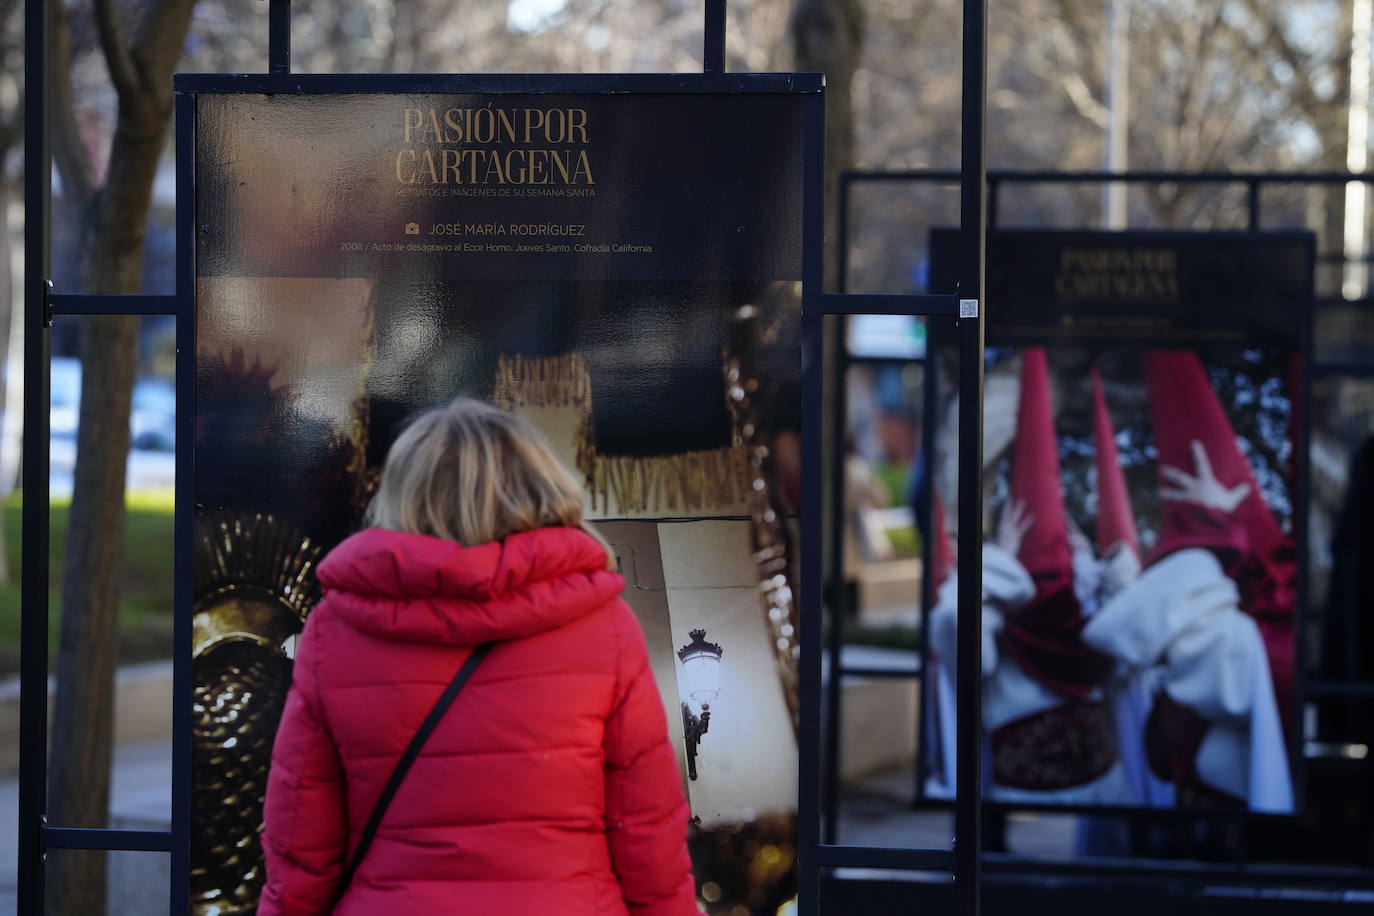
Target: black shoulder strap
point(403, 765)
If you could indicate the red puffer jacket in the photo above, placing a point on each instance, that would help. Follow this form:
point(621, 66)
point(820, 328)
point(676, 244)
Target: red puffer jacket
point(548, 788)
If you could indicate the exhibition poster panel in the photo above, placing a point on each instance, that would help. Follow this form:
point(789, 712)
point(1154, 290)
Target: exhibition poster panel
point(1140, 548)
point(621, 270)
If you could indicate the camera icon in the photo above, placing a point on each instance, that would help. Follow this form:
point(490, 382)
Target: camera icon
point(412, 228)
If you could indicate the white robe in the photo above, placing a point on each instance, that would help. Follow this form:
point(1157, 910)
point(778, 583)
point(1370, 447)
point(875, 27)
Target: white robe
point(1008, 692)
point(1131, 690)
point(1183, 618)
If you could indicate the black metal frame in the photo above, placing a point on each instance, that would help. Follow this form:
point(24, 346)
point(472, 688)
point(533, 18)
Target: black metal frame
point(35, 837)
point(1306, 690)
point(965, 306)
point(33, 661)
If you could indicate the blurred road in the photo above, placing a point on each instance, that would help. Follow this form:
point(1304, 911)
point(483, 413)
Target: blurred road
point(148, 470)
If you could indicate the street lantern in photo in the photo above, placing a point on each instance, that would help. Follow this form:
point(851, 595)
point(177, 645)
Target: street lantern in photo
point(700, 684)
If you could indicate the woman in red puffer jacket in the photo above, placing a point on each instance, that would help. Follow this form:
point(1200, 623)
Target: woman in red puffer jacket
point(549, 786)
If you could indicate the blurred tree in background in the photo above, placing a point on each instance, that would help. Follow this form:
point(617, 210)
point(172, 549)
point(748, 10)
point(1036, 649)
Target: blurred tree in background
point(827, 37)
point(1211, 85)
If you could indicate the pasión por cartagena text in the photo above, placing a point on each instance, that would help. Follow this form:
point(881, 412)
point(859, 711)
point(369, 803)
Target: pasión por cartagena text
point(494, 146)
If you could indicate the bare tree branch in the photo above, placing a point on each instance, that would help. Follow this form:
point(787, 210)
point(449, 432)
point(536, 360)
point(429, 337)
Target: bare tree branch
point(73, 162)
point(1071, 79)
point(1299, 85)
point(116, 52)
point(156, 49)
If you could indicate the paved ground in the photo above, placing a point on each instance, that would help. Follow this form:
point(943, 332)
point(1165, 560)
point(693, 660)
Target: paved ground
point(877, 812)
point(147, 470)
point(142, 799)
point(9, 816)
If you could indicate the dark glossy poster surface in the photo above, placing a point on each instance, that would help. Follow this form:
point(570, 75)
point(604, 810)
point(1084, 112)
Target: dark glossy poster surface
point(624, 272)
point(1141, 288)
point(1142, 601)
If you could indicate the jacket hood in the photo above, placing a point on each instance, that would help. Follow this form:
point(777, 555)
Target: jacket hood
point(414, 588)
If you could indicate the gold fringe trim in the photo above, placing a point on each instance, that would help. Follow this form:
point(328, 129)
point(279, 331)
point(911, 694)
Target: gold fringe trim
point(686, 482)
point(542, 381)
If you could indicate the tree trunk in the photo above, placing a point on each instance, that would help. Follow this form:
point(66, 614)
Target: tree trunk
point(112, 261)
point(83, 722)
point(826, 36)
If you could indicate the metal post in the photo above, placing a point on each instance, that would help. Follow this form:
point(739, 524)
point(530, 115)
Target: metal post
point(33, 709)
point(713, 48)
point(809, 726)
point(1252, 205)
point(279, 36)
point(837, 369)
point(973, 205)
point(1300, 499)
point(842, 233)
point(184, 509)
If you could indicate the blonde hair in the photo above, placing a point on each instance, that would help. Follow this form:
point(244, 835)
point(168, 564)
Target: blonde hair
point(471, 473)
